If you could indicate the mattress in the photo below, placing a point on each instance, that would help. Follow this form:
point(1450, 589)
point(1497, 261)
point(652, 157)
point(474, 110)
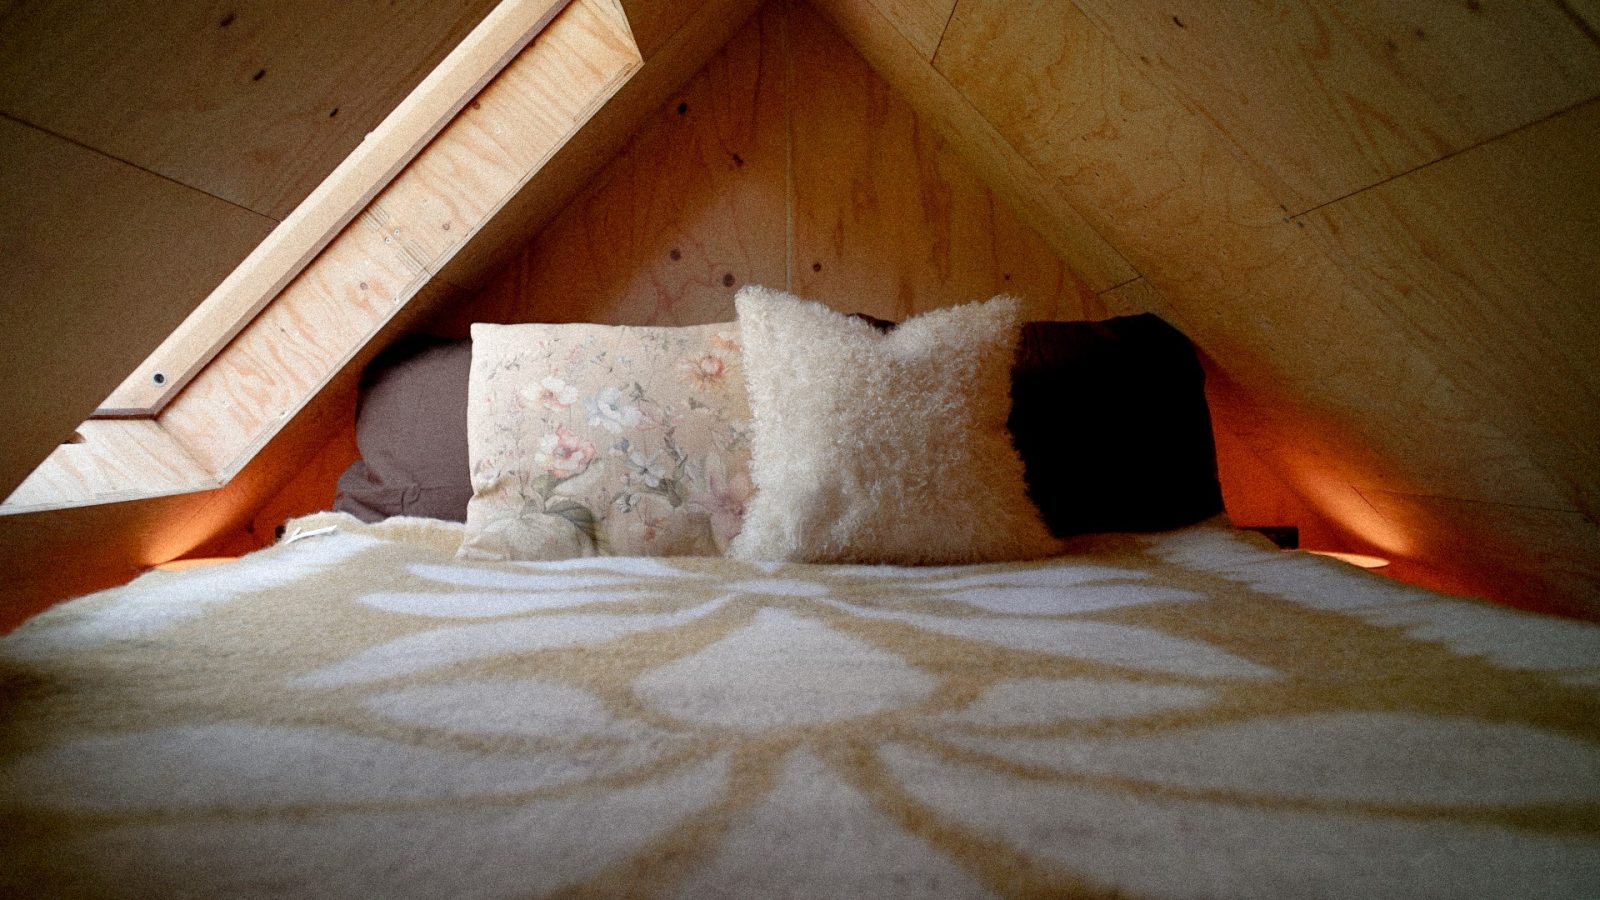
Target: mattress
point(1191, 713)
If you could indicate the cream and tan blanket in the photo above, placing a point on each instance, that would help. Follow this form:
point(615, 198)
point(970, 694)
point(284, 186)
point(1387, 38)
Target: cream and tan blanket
point(357, 714)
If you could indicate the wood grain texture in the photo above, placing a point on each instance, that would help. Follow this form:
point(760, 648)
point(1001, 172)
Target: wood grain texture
point(282, 357)
point(1328, 97)
point(110, 460)
point(920, 21)
point(100, 262)
point(501, 240)
point(992, 158)
point(506, 135)
point(382, 260)
point(1254, 290)
point(338, 199)
point(887, 219)
point(695, 200)
point(174, 87)
point(1354, 394)
point(1496, 275)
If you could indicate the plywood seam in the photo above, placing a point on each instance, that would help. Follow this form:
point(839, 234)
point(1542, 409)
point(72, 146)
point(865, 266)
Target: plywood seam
point(133, 165)
point(337, 201)
point(1448, 156)
point(1121, 284)
point(1262, 172)
point(942, 32)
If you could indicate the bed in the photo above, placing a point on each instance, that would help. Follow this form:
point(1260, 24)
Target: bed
point(1188, 713)
point(599, 665)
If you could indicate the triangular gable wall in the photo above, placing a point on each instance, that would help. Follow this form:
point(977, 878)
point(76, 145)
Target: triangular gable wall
point(788, 161)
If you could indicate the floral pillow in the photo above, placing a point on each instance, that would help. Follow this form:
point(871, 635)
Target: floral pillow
point(588, 440)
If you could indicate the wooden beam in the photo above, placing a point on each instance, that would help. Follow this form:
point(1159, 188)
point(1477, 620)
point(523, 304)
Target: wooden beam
point(325, 213)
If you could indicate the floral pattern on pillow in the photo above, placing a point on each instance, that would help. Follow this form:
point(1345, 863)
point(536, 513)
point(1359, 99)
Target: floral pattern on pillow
point(590, 440)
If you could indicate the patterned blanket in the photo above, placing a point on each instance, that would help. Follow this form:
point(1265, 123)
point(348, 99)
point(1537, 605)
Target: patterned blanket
point(356, 714)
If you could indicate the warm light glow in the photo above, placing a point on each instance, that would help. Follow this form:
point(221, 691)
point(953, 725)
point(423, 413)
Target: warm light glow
point(1354, 559)
point(198, 562)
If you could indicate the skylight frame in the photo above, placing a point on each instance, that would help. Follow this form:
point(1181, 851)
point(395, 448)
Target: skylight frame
point(387, 253)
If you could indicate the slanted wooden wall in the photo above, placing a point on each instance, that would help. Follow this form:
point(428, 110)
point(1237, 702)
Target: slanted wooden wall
point(1377, 218)
point(51, 555)
point(146, 147)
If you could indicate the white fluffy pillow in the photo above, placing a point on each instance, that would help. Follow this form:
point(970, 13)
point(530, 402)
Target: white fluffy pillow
point(883, 448)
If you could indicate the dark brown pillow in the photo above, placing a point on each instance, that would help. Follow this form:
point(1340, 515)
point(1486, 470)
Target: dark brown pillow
point(1111, 421)
point(411, 428)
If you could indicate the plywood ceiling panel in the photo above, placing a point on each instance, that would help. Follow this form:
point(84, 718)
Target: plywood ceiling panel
point(1330, 96)
point(254, 103)
point(101, 260)
point(1253, 289)
point(1538, 558)
point(1496, 275)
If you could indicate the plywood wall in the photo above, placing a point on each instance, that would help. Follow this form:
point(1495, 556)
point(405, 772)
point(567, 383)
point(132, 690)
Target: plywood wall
point(146, 147)
point(107, 544)
point(1376, 218)
point(787, 161)
point(790, 161)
